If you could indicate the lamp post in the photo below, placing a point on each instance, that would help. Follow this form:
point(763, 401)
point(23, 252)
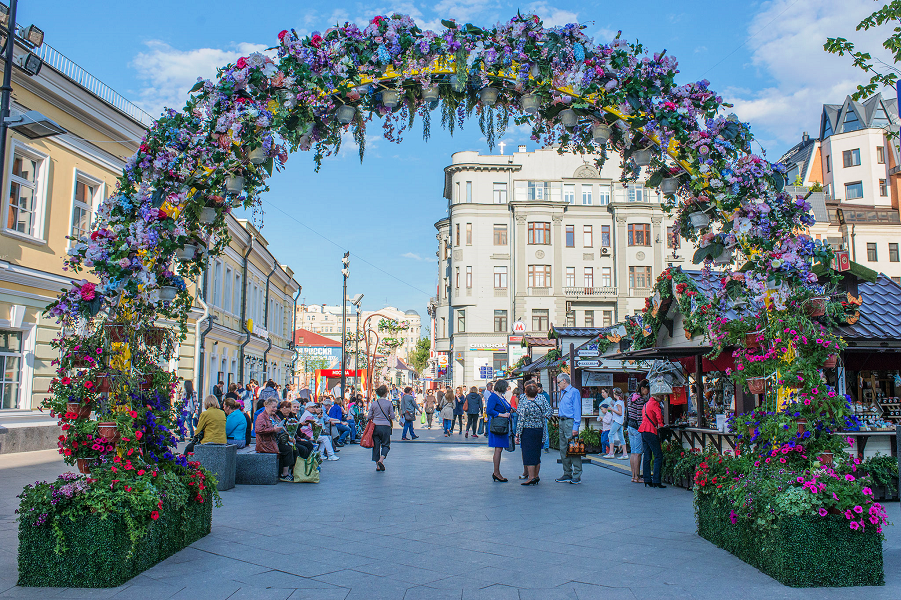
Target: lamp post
point(356, 300)
point(345, 271)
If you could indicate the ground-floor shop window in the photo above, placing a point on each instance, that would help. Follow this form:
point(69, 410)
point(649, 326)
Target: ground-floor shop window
point(10, 368)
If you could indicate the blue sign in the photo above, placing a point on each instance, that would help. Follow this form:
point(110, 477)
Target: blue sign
point(486, 372)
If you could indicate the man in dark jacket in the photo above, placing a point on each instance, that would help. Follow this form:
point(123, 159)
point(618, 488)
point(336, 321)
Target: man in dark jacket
point(473, 410)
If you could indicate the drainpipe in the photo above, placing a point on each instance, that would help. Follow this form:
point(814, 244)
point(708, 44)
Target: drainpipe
point(198, 337)
point(293, 330)
point(266, 324)
point(244, 311)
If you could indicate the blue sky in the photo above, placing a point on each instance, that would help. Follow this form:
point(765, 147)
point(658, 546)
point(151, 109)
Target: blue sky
point(766, 57)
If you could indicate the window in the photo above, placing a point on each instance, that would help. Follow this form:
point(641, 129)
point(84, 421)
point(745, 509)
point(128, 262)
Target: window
point(570, 318)
point(606, 277)
point(587, 237)
point(570, 277)
point(639, 234)
point(608, 319)
point(469, 234)
point(851, 123)
point(570, 236)
point(499, 360)
point(457, 277)
point(871, 252)
point(569, 193)
point(236, 297)
point(851, 158)
point(461, 321)
point(673, 240)
point(458, 234)
point(468, 277)
point(443, 327)
point(23, 210)
point(500, 278)
point(457, 193)
point(227, 296)
point(539, 276)
point(893, 252)
point(589, 277)
point(586, 194)
point(217, 284)
point(639, 277)
point(636, 192)
point(828, 164)
point(540, 319)
point(589, 318)
point(82, 203)
point(468, 191)
point(897, 280)
point(603, 195)
point(500, 234)
point(10, 365)
point(500, 321)
point(499, 193)
point(883, 188)
point(605, 236)
point(853, 191)
point(539, 190)
point(539, 233)
point(880, 155)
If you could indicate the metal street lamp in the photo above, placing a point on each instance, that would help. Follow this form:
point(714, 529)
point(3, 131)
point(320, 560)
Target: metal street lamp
point(356, 302)
point(345, 271)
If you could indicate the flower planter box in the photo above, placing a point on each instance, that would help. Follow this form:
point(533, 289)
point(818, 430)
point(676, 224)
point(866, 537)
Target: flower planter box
point(757, 385)
point(798, 551)
point(816, 307)
point(116, 333)
point(155, 336)
point(97, 550)
point(82, 411)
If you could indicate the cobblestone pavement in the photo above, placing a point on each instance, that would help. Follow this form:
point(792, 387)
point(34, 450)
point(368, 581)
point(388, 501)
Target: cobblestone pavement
point(434, 526)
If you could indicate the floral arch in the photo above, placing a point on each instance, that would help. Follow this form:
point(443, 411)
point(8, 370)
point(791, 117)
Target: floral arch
point(167, 217)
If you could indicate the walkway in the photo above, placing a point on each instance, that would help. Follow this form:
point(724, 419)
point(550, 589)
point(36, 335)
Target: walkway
point(434, 526)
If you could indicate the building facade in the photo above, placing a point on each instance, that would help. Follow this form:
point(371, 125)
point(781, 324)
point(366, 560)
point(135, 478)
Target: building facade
point(856, 165)
point(539, 238)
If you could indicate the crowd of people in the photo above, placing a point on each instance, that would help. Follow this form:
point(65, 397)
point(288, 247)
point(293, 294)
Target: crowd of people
point(280, 420)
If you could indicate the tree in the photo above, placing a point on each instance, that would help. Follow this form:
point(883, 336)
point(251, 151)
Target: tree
point(882, 76)
point(419, 358)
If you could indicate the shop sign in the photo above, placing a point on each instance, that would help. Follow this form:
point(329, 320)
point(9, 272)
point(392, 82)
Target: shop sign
point(582, 364)
point(841, 260)
point(594, 379)
point(495, 347)
point(589, 351)
point(442, 360)
point(519, 327)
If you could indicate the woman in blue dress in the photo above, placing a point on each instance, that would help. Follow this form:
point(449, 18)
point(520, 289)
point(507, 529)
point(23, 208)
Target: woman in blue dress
point(498, 407)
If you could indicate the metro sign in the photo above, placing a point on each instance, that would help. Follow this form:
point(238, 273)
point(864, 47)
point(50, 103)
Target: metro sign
point(519, 327)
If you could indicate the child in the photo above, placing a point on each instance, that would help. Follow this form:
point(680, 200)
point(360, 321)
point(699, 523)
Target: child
point(606, 418)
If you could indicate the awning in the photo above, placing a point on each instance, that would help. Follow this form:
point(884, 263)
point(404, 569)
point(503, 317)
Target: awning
point(666, 352)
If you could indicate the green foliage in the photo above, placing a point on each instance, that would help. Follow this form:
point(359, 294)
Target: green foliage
point(420, 355)
point(883, 470)
point(798, 551)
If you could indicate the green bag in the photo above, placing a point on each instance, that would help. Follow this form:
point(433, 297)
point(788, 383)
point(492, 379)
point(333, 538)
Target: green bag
point(422, 419)
point(307, 470)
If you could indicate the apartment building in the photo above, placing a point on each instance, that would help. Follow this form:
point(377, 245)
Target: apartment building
point(536, 238)
point(326, 321)
point(856, 164)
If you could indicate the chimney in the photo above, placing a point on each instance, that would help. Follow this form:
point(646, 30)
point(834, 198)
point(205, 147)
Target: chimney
point(522, 148)
point(805, 137)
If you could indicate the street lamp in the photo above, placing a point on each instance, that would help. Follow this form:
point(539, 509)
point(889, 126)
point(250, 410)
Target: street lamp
point(345, 271)
point(356, 302)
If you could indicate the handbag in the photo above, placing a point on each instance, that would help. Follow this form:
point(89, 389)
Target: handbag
point(422, 419)
point(466, 405)
point(366, 438)
point(307, 470)
point(500, 425)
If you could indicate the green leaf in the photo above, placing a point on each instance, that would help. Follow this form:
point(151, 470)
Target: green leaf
point(632, 99)
point(269, 165)
point(655, 179)
point(448, 24)
point(197, 87)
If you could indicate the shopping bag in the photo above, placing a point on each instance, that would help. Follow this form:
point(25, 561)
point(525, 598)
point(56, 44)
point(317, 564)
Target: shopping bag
point(307, 470)
point(481, 429)
point(422, 419)
point(366, 438)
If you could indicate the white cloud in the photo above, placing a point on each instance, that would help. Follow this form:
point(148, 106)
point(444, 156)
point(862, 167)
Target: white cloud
point(786, 40)
point(170, 73)
point(413, 256)
point(552, 16)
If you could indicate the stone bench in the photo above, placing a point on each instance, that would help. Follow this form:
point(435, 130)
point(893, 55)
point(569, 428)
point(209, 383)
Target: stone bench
point(221, 459)
point(252, 468)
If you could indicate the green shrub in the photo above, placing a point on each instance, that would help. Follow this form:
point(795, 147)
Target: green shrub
point(97, 552)
point(883, 470)
point(798, 551)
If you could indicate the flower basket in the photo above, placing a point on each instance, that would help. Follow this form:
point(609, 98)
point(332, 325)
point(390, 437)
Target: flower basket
point(802, 424)
point(831, 361)
point(168, 293)
point(756, 385)
point(117, 333)
point(102, 383)
point(84, 465)
point(816, 307)
point(80, 363)
point(81, 410)
point(155, 336)
point(109, 430)
point(751, 340)
point(188, 252)
point(147, 382)
point(825, 458)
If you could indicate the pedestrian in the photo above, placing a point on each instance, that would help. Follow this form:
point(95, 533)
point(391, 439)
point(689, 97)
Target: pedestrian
point(618, 412)
point(218, 391)
point(190, 407)
point(498, 408)
point(382, 414)
point(606, 419)
point(409, 410)
point(634, 413)
point(547, 398)
point(233, 392)
point(652, 419)
point(210, 426)
point(428, 406)
point(569, 413)
point(446, 406)
point(235, 423)
point(459, 411)
point(267, 443)
point(534, 412)
point(473, 410)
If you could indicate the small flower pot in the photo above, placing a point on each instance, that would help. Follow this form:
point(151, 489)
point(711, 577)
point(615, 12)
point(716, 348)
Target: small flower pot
point(168, 293)
point(831, 361)
point(751, 340)
point(102, 384)
point(154, 336)
point(816, 307)
point(234, 184)
point(188, 252)
point(258, 156)
point(699, 219)
point(116, 333)
point(84, 465)
point(208, 215)
point(825, 458)
point(80, 363)
point(802, 425)
point(724, 257)
point(757, 385)
point(81, 410)
point(109, 430)
point(147, 382)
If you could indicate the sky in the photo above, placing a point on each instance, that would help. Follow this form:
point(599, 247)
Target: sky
point(764, 57)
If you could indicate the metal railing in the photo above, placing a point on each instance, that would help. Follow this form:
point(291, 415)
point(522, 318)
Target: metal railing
point(66, 67)
point(604, 292)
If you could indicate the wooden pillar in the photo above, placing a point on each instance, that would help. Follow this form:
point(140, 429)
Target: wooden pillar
point(699, 383)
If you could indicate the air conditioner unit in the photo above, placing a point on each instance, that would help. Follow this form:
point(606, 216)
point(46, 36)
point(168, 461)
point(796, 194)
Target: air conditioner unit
point(605, 250)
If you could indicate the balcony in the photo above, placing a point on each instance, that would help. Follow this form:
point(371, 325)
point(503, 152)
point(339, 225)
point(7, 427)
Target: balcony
point(500, 292)
point(539, 291)
point(640, 292)
point(590, 292)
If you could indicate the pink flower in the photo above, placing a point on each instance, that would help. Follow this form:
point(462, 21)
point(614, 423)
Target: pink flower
point(87, 291)
point(867, 491)
point(858, 509)
point(849, 477)
point(822, 511)
point(242, 63)
point(854, 525)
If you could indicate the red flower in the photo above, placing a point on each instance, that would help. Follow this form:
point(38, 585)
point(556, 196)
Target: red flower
point(66, 381)
point(87, 292)
point(154, 515)
point(242, 63)
point(282, 34)
point(133, 414)
point(316, 41)
point(88, 384)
